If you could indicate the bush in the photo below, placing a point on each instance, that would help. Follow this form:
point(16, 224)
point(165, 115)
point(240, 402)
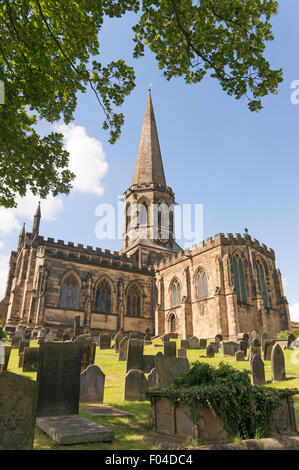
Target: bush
point(283, 334)
point(2, 333)
point(295, 332)
point(244, 409)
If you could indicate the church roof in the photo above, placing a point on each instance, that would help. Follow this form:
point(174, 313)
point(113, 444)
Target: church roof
point(149, 166)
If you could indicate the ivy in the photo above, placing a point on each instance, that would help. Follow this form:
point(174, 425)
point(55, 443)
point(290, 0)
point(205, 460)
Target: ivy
point(244, 410)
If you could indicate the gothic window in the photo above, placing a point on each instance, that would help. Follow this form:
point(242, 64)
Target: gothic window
point(69, 294)
point(262, 283)
point(176, 293)
point(134, 301)
point(239, 279)
point(142, 214)
point(103, 297)
point(172, 322)
point(128, 216)
point(202, 285)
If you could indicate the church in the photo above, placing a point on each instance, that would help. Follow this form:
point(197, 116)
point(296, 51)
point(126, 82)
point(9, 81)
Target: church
point(227, 285)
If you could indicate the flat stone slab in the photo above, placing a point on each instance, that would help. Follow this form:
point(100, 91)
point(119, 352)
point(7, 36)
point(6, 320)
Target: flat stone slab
point(73, 429)
point(105, 410)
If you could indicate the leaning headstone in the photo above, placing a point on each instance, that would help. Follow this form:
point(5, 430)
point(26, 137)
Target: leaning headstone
point(210, 351)
point(135, 354)
point(152, 379)
point(193, 343)
point(15, 342)
point(268, 346)
point(58, 379)
point(23, 344)
point(215, 346)
point(135, 385)
point(105, 341)
point(148, 363)
point(291, 339)
point(123, 349)
point(219, 338)
point(92, 382)
point(202, 343)
point(278, 363)
point(30, 360)
point(169, 349)
point(17, 411)
point(50, 337)
point(240, 356)
point(257, 370)
point(117, 339)
point(184, 344)
point(168, 368)
point(182, 353)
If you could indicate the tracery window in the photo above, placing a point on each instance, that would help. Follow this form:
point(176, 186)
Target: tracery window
point(134, 301)
point(202, 285)
point(176, 293)
point(69, 294)
point(262, 283)
point(239, 279)
point(103, 297)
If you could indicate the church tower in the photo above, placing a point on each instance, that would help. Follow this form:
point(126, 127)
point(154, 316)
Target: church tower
point(149, 202)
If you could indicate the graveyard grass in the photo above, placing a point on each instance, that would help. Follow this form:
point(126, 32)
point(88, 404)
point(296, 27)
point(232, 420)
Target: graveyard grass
point(134, 432)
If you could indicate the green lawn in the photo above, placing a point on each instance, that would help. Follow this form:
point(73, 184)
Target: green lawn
point(134, 432)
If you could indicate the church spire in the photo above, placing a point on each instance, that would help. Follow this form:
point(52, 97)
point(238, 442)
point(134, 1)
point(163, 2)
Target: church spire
point(36, 221)
point(149, 166)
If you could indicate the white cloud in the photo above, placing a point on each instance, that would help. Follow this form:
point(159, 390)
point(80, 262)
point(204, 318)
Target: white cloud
point(284, 282)
point(294, 312)
point(87, 159)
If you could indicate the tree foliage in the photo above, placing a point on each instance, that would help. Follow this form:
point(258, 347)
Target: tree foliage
point(50, 50)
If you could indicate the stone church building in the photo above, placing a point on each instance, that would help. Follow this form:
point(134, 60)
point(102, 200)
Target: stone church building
point(228, 284)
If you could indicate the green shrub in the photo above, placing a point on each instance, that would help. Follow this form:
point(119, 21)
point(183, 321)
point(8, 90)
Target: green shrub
point(2, 333)
point(283, 334)
point(295, 332)
point(244, 409)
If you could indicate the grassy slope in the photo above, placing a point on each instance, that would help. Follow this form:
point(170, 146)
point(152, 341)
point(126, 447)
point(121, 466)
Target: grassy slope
point(133, 432)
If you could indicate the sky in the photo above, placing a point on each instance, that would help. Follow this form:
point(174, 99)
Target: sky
point(241, 166)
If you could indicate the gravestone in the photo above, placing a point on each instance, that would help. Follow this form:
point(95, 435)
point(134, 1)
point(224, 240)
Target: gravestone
point(76, 331)
point(148, 363)
point(5, 351)
point(58, 378)
point(42, 333)
point(268, 346)
point(15, 342)
point(256, 343)
point(118, 338)
point(184, 344)
point(105, 341)
point(147, 336)
point(92, 382)
point(169, 349)
point(20, 331)
point(17, 411)
point(264, 336)
point(215, 345)
point(202, 343)
point(21, 360)
point(168, 368)
point(123, 349)
point(134, 354)
point(182, 353)
point(210, 351)
point(243, 337)
point(27, 334)
point(278, 363)
point(229, 348)
point(193, 343)
point(219, 338)
point(88, 353)
point(254, 351)
point(135, 385)
point(34, 333)
point(50, 337)
point(240, 356)
point(291, 338)
point(243, 346)
point(257, 370)
point(152, 379)
point(30, 360)
point(23, 344)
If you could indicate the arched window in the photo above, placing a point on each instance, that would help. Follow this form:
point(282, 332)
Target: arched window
point(262, 283)
point(202, 285)
point(176, 293)
point(239, 279)
point(128, 216)
point(69, 294)
point(172, 322)
point(134, 301)
point(103, 297)
point(142, 214)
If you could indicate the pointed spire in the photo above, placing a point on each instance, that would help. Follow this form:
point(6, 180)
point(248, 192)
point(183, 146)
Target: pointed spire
point(21, 236)
point(149, 166)
point(36, 221)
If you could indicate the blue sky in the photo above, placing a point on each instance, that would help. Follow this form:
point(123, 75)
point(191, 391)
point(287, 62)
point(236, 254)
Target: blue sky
point(242, 166)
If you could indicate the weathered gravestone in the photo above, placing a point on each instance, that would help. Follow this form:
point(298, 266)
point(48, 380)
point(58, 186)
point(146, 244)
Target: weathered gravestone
point(17, 411)
point(243, 337)
point(229, 348)
point(264, 337)
point(76, 331)
point(30, 359)
point(254, 351)
point(88, 353)
point(219, 338)
point(123, 349)
point(240, 356)
point(256, 343)
point(215, 345)
point(134, 354)
point(15, 342)
point(148, 363)
point(92, 382)
point(105, 341)
point(202, 343)
point(168, 368)
point(278, 363)
point(243, 346)
point(257, 370)
point(182, 353)
point(169, 348)
point(50, 337)
point(194, 343)
point(184, 344)
point(291, 339)
point(135, 385)
point(24, 343)
point(152, 379)
point(4, 356)
point(210, 351)
point(27, 334)
point(42, 333)
point(117, 339)
point(147, 336)
point(21, 359)
point(58, 378)
point(268, 346)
